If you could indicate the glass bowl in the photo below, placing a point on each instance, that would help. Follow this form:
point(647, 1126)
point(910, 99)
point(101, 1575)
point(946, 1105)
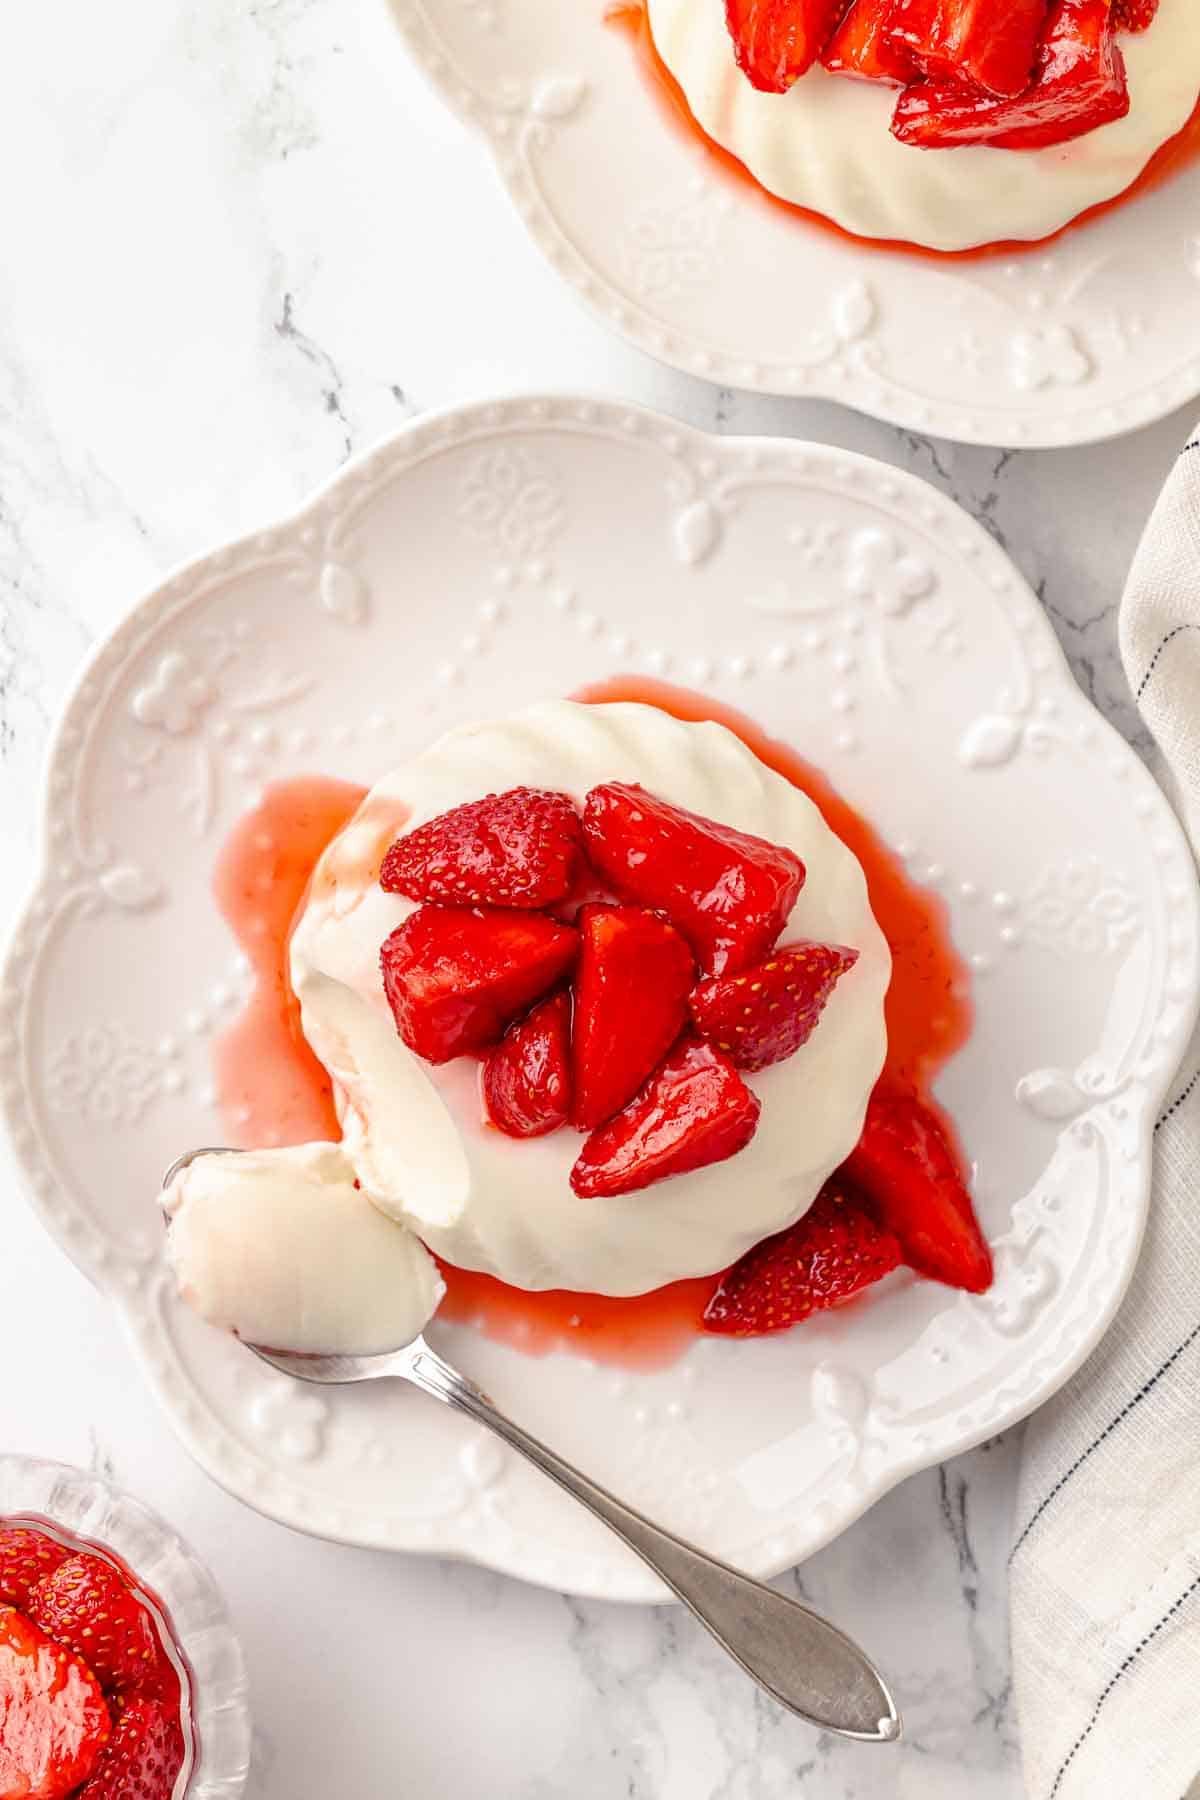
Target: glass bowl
point(83, 1509)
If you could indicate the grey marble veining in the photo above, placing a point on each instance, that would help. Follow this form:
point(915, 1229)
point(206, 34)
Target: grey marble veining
point(242, 242)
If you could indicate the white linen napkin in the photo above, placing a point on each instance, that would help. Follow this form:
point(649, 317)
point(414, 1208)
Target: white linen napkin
point(1105, 1570)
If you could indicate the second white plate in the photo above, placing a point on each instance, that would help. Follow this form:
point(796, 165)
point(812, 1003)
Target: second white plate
point(1064, 344)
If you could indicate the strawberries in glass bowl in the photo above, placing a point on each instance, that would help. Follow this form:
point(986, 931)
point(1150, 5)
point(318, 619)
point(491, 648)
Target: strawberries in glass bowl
point(120, 1678)
point(1013, 74)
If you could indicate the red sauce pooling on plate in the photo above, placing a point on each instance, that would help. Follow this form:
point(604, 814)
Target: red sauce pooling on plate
point(270, 1087)
point(630, 16)
point(274, 1091)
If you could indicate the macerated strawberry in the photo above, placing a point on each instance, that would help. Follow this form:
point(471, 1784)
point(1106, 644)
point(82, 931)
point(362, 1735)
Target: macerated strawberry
point(1080, 85)
point(520, 848)
point(161, 1682)
point(835, 1251)
point(54, 1722)
point(730, 894)
point(776, 41)
point(632, 982)
point(89, 1608)
point(26, 1555)
point(991, 45)
point(1134, 15)
point(694, 1110)
point(767, 1012)
point(527, 1077)
point(143, 1758)
point(906, 1167)
point(861, 46)
point(455, 977)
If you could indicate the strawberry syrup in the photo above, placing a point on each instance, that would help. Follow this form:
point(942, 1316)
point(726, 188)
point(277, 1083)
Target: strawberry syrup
point(630, 17)
point(270, 1087)
point(272, 1090)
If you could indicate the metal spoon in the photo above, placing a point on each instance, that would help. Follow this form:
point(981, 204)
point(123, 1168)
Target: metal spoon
point(806, 1664)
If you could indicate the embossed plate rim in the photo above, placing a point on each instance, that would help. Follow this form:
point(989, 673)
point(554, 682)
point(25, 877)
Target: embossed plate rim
point(141, 1299)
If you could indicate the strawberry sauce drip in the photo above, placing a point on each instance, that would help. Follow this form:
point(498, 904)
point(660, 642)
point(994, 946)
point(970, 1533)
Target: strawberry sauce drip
point(272, 1089)
point(630, 16)
point(649, 1331)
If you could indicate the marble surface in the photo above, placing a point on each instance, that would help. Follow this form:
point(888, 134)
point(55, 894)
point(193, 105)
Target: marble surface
point(242, 242)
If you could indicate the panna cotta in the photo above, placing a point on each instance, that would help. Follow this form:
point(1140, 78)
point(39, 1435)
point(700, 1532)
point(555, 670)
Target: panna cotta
point(283, 1248)
point(416, 1132)
point(827, 143)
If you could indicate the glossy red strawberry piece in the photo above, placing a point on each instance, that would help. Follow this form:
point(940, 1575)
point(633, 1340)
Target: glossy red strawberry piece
point(143, 1758)
point(907, 1168)
point(728, 893)
point(87, 1607)
point(861, 46)
point(1080, 85)
point(632, 983)
point(991, 45)
point(527, 1077)
point(694, 1110)
point(764, 1014)
point(520, 848)
point(835, 1251)
point(1134, 15)
point(455, 977)
point(26, 1555)
point(776, 41)
point(54, 1723)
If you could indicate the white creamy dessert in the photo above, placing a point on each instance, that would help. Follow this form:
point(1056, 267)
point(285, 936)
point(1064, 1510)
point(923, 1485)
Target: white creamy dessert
point(416, 1135)
point(281, 1247)
point(827, 144)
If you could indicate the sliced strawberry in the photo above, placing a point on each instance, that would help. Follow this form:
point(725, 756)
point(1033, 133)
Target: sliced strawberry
point(906, 1166)
point(830, 1255)
point(776, 41)
point(694, 1110)
point(143, 1758)
point(160, 1682)
point(767, 1012)
point(632, 984)
point(26, 1555)
point(520, 848)
point(87, 1607)
point(454, 977)
point(527, 1077)
point(861, 46)
point(1080, 85)
point(987, 44)
point(730, 894)
point(54, 1723)
point(1134, 15)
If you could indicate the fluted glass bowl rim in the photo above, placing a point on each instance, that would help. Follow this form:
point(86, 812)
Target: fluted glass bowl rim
point(85, 1504)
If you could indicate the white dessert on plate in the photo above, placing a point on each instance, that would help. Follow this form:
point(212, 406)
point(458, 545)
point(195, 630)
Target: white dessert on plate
point(827, 143)
point(416, 1134)
point(283, 1248)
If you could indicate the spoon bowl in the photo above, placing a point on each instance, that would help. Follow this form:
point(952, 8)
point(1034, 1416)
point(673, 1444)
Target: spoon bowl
point(807, 1665)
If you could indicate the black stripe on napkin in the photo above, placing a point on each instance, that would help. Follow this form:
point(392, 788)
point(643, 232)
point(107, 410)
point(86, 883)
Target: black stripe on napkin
point(1114, 1679)
point(1178, 1101)
point(1174, 633)
point(1124, 1413)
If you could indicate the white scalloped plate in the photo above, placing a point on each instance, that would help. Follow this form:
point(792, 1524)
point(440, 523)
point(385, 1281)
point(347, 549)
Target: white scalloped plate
point(1067, 344)
point(503, 553)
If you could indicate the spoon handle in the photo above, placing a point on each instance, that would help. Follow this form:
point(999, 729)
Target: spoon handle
point(803, 1662)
